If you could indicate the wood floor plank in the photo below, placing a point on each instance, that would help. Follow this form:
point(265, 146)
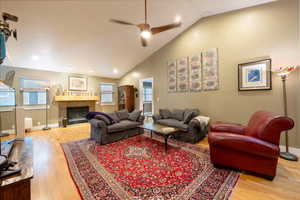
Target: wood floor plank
point(52, 180)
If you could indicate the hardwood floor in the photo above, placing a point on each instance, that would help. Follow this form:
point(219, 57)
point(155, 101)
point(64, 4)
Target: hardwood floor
point(52, 180)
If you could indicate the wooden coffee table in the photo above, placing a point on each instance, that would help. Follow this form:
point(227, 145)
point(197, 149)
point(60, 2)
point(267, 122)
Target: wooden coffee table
point(161, 130)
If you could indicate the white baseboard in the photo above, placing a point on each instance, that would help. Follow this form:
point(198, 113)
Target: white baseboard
point(35, 128)
point(292, 150)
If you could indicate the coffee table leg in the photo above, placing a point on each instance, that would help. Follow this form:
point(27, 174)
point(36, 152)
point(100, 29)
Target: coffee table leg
point(166, 144)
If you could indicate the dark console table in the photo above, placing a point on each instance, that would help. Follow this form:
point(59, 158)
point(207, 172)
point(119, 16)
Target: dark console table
point(17, 187)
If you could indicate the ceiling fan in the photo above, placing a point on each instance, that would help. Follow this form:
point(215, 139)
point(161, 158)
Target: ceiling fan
point(146, 30)
point(4, 25)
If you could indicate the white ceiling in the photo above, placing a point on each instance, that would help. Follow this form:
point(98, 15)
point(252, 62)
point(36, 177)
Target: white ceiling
point(76, 36)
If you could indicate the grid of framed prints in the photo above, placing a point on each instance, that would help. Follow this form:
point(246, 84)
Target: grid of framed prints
point(255, 75)
point(195, 73)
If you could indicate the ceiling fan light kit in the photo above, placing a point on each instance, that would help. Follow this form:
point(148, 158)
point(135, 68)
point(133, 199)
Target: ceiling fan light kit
point(146, 34)
point(145, 28)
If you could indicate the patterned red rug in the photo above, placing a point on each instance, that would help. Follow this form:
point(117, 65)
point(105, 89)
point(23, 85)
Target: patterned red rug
point(138, 168)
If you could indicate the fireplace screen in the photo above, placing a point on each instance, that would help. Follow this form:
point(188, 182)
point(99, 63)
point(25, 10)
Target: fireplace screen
point(77, 115)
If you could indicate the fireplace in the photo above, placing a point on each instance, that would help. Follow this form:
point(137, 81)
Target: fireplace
point(77, 115)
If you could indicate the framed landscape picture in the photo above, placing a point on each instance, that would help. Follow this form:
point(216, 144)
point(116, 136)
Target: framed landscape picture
point(210, 70)
point(172, 76)
point(182, 75)
point(255, 75)
point(195, 73)
point(77, 83)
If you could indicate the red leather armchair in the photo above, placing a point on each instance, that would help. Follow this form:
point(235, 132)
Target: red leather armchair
point(253, 148)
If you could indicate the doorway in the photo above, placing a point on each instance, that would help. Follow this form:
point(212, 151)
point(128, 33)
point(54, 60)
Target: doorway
point(146, 97)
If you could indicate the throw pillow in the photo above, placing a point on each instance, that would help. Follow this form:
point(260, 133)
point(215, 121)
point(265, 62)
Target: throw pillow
point(123, 114)
point(103, 118)
point(195, 111)
point(114, 116)
point(187, 116)
point(178, 114)
point(165, 113)
point(134, 116)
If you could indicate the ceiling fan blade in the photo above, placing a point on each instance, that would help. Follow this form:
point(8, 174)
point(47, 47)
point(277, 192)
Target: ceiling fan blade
point(121, 22)
point(159, 29)
point(144, 42)
point(15, 34)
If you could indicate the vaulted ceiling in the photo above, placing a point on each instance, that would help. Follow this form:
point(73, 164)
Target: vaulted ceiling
point(76, 36)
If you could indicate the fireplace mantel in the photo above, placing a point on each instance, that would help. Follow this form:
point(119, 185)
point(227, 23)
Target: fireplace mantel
point(76, 98)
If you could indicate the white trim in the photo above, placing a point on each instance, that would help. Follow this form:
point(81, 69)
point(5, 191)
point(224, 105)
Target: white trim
point(35, 128)
point(107, 104)
point(141, 92)
point(7, 108)
point(292, 150)
point(35, 107)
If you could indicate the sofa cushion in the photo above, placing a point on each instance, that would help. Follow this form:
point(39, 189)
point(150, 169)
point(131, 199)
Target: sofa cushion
point(134, 116)
point(103, 118)
point(174, 123)
point(178, 114)
point(122, 126)
point(123, 114)
point(114, 116)
point(187, 116)
point(165, 113)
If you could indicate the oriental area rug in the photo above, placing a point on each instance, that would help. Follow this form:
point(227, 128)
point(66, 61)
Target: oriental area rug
point(138, 168)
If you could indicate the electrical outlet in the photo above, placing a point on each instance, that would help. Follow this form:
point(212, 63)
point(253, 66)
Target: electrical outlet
point(38, 123)
point(13, 126)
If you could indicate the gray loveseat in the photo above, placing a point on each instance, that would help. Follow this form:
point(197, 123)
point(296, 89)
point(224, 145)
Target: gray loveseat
point(125, 125)
point(190, 129)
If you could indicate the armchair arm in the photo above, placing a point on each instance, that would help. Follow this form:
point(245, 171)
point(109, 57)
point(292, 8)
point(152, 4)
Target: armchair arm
point(156, 117)
point(242, 143)
point(228, 127)
point(98, 130)
point(98, 123)
point(141, 119)
point(197, 129)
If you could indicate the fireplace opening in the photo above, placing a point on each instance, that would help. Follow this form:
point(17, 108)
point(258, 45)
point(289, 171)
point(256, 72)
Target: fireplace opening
point(77, 115)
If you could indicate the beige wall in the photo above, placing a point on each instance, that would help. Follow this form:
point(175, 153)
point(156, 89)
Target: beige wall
point(55, 78)
point(266, 31)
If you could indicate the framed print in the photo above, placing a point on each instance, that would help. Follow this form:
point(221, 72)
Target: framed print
point(195, 73)
point(182, 75)
point(255, 75)
point(172, 76)
point(210, 69)
point(77, 83)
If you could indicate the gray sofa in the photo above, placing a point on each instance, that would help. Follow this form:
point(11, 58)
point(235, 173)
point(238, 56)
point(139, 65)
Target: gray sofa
point(125, 126)
point(190, 129)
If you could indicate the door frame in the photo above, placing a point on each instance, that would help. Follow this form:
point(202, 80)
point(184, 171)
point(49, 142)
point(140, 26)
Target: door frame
point(141, 88)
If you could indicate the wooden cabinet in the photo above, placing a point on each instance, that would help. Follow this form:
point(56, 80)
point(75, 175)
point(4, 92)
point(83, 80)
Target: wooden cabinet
point(126, 98)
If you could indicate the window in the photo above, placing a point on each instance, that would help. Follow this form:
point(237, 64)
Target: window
point(34, 97)
point(147, 94)
point(34, 91)
point(7, 96)
point(107, 93)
